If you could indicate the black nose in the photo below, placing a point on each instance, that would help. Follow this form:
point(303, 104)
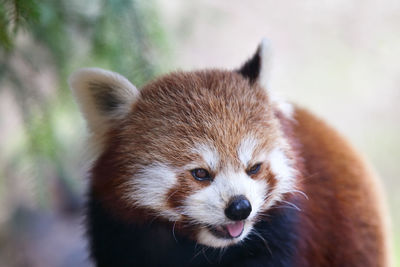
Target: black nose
point(238, 208)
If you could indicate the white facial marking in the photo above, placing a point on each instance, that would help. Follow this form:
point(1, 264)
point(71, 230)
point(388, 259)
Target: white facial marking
point(246, 149)
point(209, 155)
point(207, 206)
point(284, 106)
point(281, 166)
point(149, 188)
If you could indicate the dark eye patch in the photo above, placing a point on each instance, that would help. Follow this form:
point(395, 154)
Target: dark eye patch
point(254, 169)
point(201, 174)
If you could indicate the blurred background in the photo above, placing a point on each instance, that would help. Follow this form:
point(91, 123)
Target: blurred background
point(338, 58)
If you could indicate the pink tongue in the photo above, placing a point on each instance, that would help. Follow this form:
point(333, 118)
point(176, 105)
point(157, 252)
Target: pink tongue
point(235, 229)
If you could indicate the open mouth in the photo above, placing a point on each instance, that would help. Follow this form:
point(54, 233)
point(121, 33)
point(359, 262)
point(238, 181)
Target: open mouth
point(231, 230)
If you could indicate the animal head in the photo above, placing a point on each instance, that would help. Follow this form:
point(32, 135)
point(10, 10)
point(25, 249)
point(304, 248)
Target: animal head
point(200, 150)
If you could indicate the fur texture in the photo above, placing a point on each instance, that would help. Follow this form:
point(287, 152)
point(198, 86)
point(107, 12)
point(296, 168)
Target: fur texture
point(313, 200)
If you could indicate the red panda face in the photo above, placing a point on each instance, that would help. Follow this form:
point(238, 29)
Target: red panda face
point(201, 151)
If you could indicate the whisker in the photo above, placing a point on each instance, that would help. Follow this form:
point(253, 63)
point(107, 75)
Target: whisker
point(291, 204)
point(283, 207)
point(221, 253)
point(204, 254)
point(262, 215)
point(197, 253)
point(170, 195)
point(300, 192)
point(173, 232)
point(263, 240)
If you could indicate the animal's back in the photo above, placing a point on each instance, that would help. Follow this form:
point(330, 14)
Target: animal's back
point(341, 223)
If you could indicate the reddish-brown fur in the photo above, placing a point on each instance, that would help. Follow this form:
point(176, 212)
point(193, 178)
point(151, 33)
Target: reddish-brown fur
point(340, 223)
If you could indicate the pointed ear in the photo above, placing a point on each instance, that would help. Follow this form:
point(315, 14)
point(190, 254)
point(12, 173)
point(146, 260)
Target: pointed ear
point(257, 67)
point(103, 96)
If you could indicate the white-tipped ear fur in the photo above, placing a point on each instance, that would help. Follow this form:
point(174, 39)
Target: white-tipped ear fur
point(265, 62)
point(103, 96)
point(265, 71)
point(257, 69)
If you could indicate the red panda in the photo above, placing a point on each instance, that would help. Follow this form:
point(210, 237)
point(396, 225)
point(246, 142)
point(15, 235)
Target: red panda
point(210, 168)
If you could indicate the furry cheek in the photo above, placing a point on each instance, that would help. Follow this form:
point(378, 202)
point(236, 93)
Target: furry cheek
point(284, 174)
point(149, 188)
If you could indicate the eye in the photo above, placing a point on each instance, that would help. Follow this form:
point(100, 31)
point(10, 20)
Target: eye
point(201, 175)
point(254, 169)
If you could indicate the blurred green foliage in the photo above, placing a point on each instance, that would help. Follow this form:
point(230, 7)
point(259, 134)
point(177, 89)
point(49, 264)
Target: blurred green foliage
point(13, 16)
point(45, 41)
